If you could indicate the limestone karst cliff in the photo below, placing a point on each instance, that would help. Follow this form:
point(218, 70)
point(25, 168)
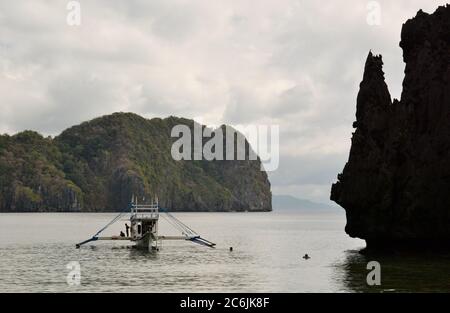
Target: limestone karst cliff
point(395, 187)
point(98, 165)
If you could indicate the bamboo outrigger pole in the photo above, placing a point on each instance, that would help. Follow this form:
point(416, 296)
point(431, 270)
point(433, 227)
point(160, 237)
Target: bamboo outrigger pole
point(144, 228)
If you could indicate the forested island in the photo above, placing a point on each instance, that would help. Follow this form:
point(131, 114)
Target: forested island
point(99, 165)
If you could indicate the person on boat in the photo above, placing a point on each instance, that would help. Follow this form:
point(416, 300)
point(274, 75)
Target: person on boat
point(122, 234)
point(306, 256)
point(127, 229)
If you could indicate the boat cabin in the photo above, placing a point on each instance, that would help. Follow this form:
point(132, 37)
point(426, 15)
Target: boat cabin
point(144, 225)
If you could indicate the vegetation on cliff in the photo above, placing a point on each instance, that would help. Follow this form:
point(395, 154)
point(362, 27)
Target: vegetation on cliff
point(98, 166)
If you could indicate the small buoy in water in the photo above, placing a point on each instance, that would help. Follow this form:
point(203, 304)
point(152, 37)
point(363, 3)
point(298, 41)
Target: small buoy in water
point(231, 249)
point(306, 257)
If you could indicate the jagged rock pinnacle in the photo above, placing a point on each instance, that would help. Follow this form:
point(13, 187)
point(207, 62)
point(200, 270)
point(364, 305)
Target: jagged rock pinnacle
point(395, 186)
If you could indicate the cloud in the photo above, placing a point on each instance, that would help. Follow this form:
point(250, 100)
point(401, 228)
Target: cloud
point(294, 63)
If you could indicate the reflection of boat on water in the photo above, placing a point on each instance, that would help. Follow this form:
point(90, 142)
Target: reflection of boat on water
point(144, 228)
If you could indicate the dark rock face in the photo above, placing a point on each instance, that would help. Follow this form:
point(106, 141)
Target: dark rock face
point(99, 165)
point(395, 187)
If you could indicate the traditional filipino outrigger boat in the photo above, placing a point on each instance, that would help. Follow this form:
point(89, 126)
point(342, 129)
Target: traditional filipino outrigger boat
point(144, 228)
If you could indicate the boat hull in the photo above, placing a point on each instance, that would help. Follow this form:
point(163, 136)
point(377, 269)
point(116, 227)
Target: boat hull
point(146, 243)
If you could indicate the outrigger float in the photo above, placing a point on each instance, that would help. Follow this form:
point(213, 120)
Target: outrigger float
point(144, 228)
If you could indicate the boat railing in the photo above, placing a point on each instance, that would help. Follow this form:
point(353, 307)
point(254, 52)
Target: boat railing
point(144, 211)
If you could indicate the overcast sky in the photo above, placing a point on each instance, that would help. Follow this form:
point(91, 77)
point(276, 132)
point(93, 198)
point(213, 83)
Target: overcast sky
point(294, 63)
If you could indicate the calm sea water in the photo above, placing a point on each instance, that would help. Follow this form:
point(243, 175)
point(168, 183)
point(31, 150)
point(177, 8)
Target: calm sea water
point(267, 257)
